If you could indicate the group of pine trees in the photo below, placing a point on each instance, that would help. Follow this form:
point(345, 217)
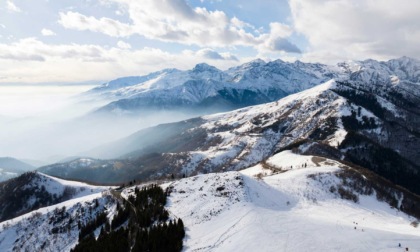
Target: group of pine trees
point(141, 224)
point(89, 227)
point(121, 217)
point(164, 237)
point(149, 203)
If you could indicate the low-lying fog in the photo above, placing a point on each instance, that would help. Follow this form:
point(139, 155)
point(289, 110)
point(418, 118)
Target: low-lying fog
point(50, 123)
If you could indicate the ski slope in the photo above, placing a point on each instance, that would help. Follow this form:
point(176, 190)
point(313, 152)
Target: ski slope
point(288, 211)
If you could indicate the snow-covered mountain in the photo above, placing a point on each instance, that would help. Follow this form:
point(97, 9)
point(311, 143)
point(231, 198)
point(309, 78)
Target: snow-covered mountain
point(403, 69)
point(34, 190)
point(333, 167)
point(209, 89)
point(374, 125)
point(53, 228)
point(289, 202)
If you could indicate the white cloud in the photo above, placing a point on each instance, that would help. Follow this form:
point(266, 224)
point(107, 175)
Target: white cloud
point(276, 40)
point(12, 6)
point(77, 21)
point(211, 54)
point(31, 60)
point(123, 45)
point(241, 24)
point(347, 29)
point(47, 32)
point(176, 21)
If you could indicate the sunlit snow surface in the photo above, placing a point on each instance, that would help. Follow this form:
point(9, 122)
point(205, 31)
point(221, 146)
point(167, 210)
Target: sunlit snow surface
point(237, 211)
point(285, 212)
point(34, 229)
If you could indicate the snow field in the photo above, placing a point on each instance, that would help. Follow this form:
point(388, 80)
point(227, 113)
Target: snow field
point(285, 212)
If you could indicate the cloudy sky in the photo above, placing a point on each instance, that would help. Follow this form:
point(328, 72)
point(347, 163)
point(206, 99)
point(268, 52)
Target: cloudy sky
point(79, 41)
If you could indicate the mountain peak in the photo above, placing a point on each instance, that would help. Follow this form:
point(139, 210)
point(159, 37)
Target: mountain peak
point(257, 61)
point(277, 61)
point(404, 60)
point(204, 67)
point(251, 64)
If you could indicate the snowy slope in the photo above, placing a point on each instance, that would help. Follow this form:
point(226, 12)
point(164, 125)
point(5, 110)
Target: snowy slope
point(57, 186)
point(288, 203)
point(288, 211)
point(53, 228)
point(31, 191)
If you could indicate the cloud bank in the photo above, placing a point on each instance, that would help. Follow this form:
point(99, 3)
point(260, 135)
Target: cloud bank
point(176, 21)
point(41, 62)
point(346, 29)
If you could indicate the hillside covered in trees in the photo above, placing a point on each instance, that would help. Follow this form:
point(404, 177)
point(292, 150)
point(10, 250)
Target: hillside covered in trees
point(141, 224)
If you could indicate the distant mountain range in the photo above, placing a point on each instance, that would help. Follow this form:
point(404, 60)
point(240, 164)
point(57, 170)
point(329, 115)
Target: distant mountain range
point(208, 89)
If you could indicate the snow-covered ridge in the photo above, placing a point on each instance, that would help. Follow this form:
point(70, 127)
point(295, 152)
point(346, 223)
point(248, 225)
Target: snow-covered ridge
point(53, 228)
point(290, 211)
point(268, 81)
point(250, 134)
point(31, 191)
point(57, 186)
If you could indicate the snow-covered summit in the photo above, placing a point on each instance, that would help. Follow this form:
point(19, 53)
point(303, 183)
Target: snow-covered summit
point(372, 71)
point(256, 81)
point(204, 67)
point(368, 70)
